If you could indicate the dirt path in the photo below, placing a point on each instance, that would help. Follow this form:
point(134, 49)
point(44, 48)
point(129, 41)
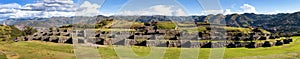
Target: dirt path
point(10, 55)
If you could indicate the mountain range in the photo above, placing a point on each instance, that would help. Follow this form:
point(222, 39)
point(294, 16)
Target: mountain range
point(282, 22)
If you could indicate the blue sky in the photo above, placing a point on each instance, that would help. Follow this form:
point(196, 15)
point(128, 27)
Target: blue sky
point(193, 7)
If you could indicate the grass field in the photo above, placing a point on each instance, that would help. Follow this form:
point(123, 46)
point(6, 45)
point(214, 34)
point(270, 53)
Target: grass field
point(2, 56)
point(37, 50)
point(244, 30)
point(48, 50)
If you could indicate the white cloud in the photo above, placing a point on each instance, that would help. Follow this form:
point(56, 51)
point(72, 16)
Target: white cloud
point(44, 8)
point(227, 11)
point(49, 8)
point(248, 8)
point(88, 9)
point(12, 5)
point(9, 8)
point(61, 1)
point(180, 12)
point(6, 11)
point(52, 5)
point(157, 10)
point(279, 11)
point(161, 10)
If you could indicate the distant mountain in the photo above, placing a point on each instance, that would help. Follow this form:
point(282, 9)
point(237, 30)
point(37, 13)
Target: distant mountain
point(283, 22)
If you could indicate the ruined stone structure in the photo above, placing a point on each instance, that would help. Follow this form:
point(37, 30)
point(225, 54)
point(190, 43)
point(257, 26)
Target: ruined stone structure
point(153, 37)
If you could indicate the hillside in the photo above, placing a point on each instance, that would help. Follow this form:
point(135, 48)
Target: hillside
point(8, 32)
point(274, 23)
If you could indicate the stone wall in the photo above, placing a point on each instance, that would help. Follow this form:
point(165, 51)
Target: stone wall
point(120, 38)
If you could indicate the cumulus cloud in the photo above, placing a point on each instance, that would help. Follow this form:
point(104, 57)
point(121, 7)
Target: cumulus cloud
point(44, 8)
point(49, 8)
point(180, 12)
point(248, 8)
point(157, 10)
point(12, 5)
point(227, 11)
point(245, 8)
point(9, 8)
point(88, 9)
point(51, 5)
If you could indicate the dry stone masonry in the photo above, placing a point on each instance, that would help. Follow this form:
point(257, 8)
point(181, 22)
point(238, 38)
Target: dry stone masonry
point(153, 37)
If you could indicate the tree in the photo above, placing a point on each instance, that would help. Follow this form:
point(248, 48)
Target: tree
point(5, 32)
point(29, 30)
point(15, 32)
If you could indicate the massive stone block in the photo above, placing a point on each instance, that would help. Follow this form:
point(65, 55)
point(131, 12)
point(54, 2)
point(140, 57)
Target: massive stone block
point(185, 44)
point(53, 39)
point(37, 38)
point(66, 34)
point(231, 45)
point(118, 41)
point(219, 44)
point(263, 38)
point(252, 45)
point(129, 42)
point(173, 43)
point(240, 44)
point(50, 34)
point(29, 38)
point(140, 43)
point(195, 44)
point(290, 39)
point(206, 45)
point(45, 38)
point(153, 43)
point(278, 43)
point(286, 41)
point(69, 40)
point(56, 33)
point(267, 44)
point(91, 39)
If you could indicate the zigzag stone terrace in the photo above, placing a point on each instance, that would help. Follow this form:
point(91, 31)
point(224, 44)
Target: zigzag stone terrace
point(149, 35)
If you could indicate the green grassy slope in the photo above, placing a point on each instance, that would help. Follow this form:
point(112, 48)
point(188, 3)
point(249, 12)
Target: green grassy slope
point(47, 50)
point(39, 50)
